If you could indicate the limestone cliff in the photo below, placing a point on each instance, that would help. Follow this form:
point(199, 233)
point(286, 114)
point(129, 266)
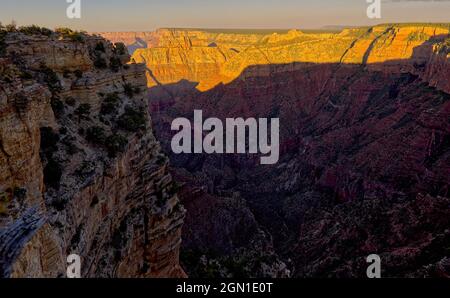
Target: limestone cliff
point(81, 171)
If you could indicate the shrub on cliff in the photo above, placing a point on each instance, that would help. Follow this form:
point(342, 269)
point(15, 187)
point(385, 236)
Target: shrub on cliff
point(100, 47)
point(2, 43)
point(12, 27)
point(78, 73)
point(52, 174)
point(110, 104)
point(70, 101)
point(96, 135)
point(5, 199)
point(49, 140)
point(70, 34)
point(417, 36)
point(115, 144)
point(128, 89)
point(57, 106)
point(120, 48)
point(25, 75)
point(115, 64)
point(21, 102)
point(51, 79)
point(132, 119)
point(83, 111)
point(100, 62)
point(35, 30)
point(20, 193)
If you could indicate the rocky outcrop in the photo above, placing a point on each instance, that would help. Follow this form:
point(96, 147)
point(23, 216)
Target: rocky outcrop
point(364, 167)
point(133, 40)
point(81, 171)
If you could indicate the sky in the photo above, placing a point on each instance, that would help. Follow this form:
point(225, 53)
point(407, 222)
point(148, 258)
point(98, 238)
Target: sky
point(147, 15)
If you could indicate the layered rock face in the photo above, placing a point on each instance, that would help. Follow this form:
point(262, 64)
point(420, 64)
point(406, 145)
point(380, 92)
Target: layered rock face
point(81, 171)
point(212, 58)
point(365, 157)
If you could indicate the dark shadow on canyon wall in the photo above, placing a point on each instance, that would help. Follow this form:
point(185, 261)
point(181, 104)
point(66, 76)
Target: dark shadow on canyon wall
point(364, 168)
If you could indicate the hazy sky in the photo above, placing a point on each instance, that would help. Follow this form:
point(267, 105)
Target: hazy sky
point(137, 15)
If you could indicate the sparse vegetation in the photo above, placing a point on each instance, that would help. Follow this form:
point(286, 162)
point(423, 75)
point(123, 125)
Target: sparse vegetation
point(12, 27)
point(21, 102)
point(132, 119)
point(57, 106)
point(417, 36)
point(86, 169)
point(96, 135)
point(83, 111)
point(120, 48)
point(20, 193)
point(59, 204)
point(100, 47)
point(70, 101)
point(5, 199)
point(66, 74)
point(70, 34)
point(51, 79)
point(100, 62)
point(25, 75)
point(2, 43)
point(78, 73)
point(174, 188)
point(115, 144)
point(49, 140)
point(115, 64)
point(128, 89)
point(35, 30)
point(52, 174)
point(70, 146)
point(110, 104)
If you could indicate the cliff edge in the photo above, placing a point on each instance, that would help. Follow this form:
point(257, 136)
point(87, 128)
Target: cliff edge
point(81, 171)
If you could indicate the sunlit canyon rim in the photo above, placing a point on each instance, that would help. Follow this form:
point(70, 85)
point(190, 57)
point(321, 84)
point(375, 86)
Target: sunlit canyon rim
point(364, 161)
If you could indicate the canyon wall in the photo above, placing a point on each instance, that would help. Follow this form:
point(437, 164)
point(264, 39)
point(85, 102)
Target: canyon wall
point(364, 163)
point(81, 171)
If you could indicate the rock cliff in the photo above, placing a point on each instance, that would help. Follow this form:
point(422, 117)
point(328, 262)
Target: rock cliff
point(81, 171)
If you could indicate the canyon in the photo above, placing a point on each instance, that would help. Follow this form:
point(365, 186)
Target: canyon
point(364, 149)
point(364, 159)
